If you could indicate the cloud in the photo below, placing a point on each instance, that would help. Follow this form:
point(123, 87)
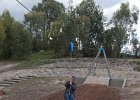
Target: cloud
point(108, 12)
point(108, 3)
point(66, 2)
point(16, 10)
point(134, 2)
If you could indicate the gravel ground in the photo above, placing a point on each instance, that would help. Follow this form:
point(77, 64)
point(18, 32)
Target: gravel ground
point(4, 66)
point(120, 68)
point(2, 93)
point(33, 89)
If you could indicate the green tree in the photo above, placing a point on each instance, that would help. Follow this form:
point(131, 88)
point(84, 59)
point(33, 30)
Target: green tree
point(57, 41)
point(135, 44)
point(21, 43)
point(62, 31)
point(7, 22)
point(2, 36)
point(16, 41)
point(109, 41)
point(40, 20)
point(90, 24)
point(123, 21)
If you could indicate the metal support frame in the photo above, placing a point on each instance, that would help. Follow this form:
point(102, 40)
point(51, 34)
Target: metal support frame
point(94, 63)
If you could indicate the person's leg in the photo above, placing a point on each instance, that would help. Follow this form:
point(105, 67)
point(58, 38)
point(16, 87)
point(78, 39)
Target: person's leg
point(66, 96)
point(71, 97)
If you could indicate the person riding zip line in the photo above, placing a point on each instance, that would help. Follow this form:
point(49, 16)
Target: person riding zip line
point(70, 89)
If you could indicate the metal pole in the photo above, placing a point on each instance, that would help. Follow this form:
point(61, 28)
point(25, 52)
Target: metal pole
point(109, 74)
point(94, 65)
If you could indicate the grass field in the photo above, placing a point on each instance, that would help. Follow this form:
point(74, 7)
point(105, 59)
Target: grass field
point(37, 59)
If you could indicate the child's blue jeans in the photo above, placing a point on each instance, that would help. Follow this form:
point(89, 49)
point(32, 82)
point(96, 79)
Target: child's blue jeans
point(68, 96)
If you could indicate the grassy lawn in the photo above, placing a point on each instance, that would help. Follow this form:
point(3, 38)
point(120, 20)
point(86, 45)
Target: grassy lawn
point(37, 59)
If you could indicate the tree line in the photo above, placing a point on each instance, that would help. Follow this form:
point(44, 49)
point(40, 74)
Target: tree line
point(51, 26)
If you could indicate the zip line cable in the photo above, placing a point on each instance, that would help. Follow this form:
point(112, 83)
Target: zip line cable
point(24, 6)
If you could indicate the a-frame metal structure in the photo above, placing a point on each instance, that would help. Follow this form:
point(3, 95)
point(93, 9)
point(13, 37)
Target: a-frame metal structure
point(93, 71)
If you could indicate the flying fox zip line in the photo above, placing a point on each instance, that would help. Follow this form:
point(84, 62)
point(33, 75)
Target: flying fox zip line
point(24, 6)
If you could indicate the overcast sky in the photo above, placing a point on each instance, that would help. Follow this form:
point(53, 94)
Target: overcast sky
point(109, 6)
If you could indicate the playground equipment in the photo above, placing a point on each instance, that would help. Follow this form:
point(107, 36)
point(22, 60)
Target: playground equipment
point(92, 78)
